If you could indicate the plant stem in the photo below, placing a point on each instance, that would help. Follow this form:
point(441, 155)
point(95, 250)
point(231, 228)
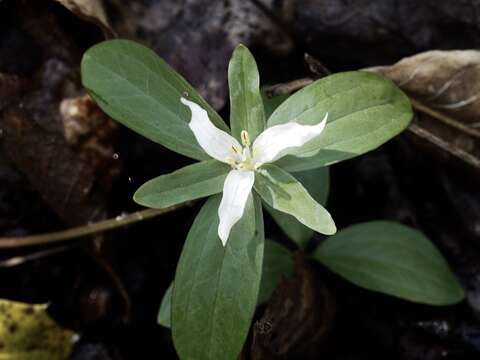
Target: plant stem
point(81, 231)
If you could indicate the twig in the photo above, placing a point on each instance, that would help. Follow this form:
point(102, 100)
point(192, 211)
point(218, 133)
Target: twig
point(459, 153)
point(81, 231)
point(19, 260)
point(315, 66)
point(444, 118)
point(287, 88)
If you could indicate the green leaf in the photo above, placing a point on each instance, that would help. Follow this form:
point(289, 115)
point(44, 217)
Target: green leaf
point(140, 90)
point(393, 259)
point(191, 182)
point(364, 111)
point(216, 288)
point(246, 105)
point(165, 312)
point(317, 183)
point(283, 192)
point(277, 262)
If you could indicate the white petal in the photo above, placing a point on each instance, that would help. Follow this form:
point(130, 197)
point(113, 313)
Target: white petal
point(216, 143)
point(236, 189)
point(276, 141)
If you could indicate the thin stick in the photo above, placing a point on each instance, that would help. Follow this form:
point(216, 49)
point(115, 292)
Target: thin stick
point(459, 153)
point(19, 260)
point(81, 231)
point(444, 118)
point(287, 88)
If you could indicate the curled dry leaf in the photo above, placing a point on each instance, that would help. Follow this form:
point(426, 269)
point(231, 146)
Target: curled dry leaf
point(445, 91)
point(448, 81)
point(90, 10)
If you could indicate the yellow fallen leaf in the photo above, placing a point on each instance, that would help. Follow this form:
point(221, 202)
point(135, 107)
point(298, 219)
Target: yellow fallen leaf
point(28, 333)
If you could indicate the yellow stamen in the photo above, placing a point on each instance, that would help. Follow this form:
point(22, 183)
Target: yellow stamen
point(245, 138)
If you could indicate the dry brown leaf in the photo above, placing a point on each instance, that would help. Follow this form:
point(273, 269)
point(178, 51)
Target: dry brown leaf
point(448, 81)
point(445, 90)
point(66, 176)
point(90, 10)
point(297, 319)
point(50, 130)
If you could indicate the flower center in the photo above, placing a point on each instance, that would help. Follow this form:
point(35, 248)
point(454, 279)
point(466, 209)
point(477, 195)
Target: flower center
point(243, 158)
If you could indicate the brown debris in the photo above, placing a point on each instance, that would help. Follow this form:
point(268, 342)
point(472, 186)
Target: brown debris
point(297, 319)
point(51, 131)
point(447, 81)
point(444, 86)
point(90, 10)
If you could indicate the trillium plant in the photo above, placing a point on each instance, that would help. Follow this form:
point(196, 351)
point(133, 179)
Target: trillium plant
point(272, 144)
point(275, 157)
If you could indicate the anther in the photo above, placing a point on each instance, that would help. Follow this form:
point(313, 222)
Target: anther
point(245, 138)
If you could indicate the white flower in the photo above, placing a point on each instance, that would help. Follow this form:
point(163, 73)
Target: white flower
point(272, 144)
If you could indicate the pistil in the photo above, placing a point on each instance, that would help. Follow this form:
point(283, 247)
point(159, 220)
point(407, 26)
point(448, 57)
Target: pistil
point(244, 160)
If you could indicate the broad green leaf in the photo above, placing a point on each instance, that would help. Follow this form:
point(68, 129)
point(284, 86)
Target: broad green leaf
point(277, 262)
point(165, 312)
point(364, 111)
point(246, 105)
point(393, 259)
point(28, 333)
point(216, 288)
point(317, 183)
point(191, 182)
point(283, 192)
point(137, 88)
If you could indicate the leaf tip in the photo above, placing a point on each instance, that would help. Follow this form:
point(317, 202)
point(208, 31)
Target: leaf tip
point(241, 46)
point(139, 197)
point(332, 228)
